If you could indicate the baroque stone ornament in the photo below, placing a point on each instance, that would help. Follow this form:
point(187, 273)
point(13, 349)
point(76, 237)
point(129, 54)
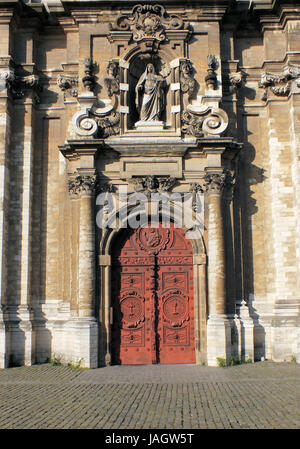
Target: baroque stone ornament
point(235, 81)
point(89, 79)
point(211, 77)
point(148, 22)
point(112, 82)
point(20, 84)
point(79, 184)
point(214, 182)
point(280, 84)
point(153, 183)
point(199, 122)
point(7, 76)
point(187, 82)
point(68, 84)
point(108, 126)
point(195, 189)
point(106, 188)
point(100, 123)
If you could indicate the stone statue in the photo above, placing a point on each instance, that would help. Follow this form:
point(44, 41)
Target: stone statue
point(150, 95)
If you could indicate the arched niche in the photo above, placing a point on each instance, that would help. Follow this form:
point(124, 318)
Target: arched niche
point(136, 68)
point(132, 65)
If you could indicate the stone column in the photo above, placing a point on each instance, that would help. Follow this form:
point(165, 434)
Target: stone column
point(218, 326)
point(85, 327)
point(86, 284)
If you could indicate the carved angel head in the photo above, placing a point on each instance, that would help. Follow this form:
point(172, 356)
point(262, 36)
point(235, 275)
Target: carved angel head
point(112, 69)
point(151, 23)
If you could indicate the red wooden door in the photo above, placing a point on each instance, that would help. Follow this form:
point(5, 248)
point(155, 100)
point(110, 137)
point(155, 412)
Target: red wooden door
point(176, 334)
point(152, 298)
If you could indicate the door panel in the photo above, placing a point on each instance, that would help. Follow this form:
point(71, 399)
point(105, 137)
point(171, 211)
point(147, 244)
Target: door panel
point(175, 301)
point(132, 314)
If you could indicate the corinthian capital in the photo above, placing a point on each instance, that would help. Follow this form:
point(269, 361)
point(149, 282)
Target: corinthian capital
point(214, 181)
point(82, 183)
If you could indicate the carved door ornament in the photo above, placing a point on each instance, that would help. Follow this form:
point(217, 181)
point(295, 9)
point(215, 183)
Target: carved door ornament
point(152, 240)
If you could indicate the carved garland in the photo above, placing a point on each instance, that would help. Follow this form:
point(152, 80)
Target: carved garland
point(153, 183)
point(279, 84)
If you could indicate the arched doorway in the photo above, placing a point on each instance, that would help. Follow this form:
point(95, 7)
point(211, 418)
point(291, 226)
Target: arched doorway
point(152, 297)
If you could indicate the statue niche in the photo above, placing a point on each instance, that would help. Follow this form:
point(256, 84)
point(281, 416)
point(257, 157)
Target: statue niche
point(147, 92)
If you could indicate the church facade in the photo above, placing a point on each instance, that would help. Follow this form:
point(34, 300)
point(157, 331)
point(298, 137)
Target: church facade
point(150, 181)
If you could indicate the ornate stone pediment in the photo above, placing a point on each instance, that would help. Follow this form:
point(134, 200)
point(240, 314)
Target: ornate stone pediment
point(148, 22)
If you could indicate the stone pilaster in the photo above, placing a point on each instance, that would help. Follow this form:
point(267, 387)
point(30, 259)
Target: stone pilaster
point(218, 326)
point(6, 76)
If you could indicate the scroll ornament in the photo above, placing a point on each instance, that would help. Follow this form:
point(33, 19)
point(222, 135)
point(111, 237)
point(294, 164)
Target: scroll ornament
point(97, 124)
point(148, 22)
point(202, 122)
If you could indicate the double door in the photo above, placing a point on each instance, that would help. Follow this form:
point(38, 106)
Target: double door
point(152, 298)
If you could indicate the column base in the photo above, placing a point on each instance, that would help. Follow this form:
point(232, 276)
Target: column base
point(218, 339)
point(4, 339)
point(83, 346)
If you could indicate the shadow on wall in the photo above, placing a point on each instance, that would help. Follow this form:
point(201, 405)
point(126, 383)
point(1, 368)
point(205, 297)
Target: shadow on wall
point(245, 206)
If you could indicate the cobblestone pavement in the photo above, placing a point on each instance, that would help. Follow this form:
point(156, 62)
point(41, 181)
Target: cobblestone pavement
point(260, 395)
